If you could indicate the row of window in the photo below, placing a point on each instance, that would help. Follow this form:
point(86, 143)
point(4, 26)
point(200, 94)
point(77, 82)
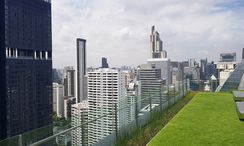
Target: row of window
point(30, 54)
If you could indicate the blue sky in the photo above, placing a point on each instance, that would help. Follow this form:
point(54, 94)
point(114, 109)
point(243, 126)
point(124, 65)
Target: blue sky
point(120, 29)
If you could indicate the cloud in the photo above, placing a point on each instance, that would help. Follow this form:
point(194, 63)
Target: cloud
point(120, 29)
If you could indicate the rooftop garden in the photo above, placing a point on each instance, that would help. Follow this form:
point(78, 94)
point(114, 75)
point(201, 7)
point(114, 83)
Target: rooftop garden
point(208, 119)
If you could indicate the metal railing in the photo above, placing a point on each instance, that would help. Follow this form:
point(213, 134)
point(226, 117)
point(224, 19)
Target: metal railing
point(132, 115)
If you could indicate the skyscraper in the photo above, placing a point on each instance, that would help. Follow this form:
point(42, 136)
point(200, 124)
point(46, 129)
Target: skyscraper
point(156, 45)
point(58, 99)
point(242, 54)
point(104, 62)
point(151, 83)
point(227, 57)
point(81, 70)
point(79, 115)
point(164, 65)
point(203, 69)
point(69, 81)
point(25, 66)
point(106, 93)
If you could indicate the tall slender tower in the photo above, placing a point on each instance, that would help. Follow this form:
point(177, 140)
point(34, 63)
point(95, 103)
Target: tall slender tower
point(25, 66)
point(243, 54)
point(156, 45)
point(81, 70)
point(69, 81)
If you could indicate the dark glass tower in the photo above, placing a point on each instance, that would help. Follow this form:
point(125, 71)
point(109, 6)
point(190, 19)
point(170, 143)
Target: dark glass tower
point(104, 62)
point(25, 66)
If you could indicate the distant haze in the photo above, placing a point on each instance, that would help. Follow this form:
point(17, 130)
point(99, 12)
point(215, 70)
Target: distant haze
point(119, 29)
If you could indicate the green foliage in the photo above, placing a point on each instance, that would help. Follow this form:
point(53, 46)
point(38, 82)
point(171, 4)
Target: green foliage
point(60, 121)
point(209, 119)
point(141, 136)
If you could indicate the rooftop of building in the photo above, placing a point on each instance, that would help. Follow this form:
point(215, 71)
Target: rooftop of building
point(82, 105)
point(209, 119)
point(157, 59)
point(113, 70)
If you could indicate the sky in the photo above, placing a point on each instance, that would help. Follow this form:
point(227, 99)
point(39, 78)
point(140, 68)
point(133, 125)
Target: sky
point(120, 29)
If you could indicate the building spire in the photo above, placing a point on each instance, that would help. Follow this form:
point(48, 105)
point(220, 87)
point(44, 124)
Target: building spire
point(156, 45)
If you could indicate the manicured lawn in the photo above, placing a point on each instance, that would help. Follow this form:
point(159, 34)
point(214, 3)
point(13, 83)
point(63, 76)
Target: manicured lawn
point(208, 119)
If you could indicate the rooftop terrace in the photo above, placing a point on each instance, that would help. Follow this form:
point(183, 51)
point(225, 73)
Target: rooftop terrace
point(209, 119)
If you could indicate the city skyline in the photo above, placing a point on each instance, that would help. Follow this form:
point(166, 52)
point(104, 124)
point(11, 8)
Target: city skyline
point(119, 72)
point(200, 29)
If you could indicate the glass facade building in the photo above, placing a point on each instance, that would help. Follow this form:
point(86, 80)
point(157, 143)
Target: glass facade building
point(25, 66)
point(233, 82)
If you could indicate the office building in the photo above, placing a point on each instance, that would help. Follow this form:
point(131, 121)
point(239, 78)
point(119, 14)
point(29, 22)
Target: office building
point(242, 54)
point(69, 81)
point(193, 73)
point(129, 76)
point(133, 94)
point(228, 57)
point(79, 115)
point(177, 72)
point(106, 93)
point(25, 66)
point(68, 102)
point(211, 70)
point(104, 62)
point(213, 83)
point(192, 62)
point(226, 67)
point(156, 45)
point(57, 76)
point(151, 84)
point(233, 82)
point(58, 99)
point(164, 65)
point(234, 79)
point(203, 69)
point(81, 70)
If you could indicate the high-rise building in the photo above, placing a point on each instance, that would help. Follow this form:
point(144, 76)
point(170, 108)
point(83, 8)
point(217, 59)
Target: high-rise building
point(177, 72)
point(174, 75)
point(203, 69)
point(192, 73)
point(81, 70)
point(164, 65)
point(106, 93)
point(226, 67)
point(242, 54)
point(69, 81)
point(192, 62)
point(156, 45)
point(211, 70)
point(68, 102)
point(104, 62)
point(57, 76)
point(25, 66)
point(133, 95)
point(227, 57)
point(79, 115)
point(129, 76)
point(58, 99)
point(234, 80)
point(151, 84)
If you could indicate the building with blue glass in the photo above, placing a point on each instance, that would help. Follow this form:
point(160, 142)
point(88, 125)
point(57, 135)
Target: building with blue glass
point(25, 66)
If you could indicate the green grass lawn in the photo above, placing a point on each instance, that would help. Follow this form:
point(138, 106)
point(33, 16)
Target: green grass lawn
point(208, 119)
